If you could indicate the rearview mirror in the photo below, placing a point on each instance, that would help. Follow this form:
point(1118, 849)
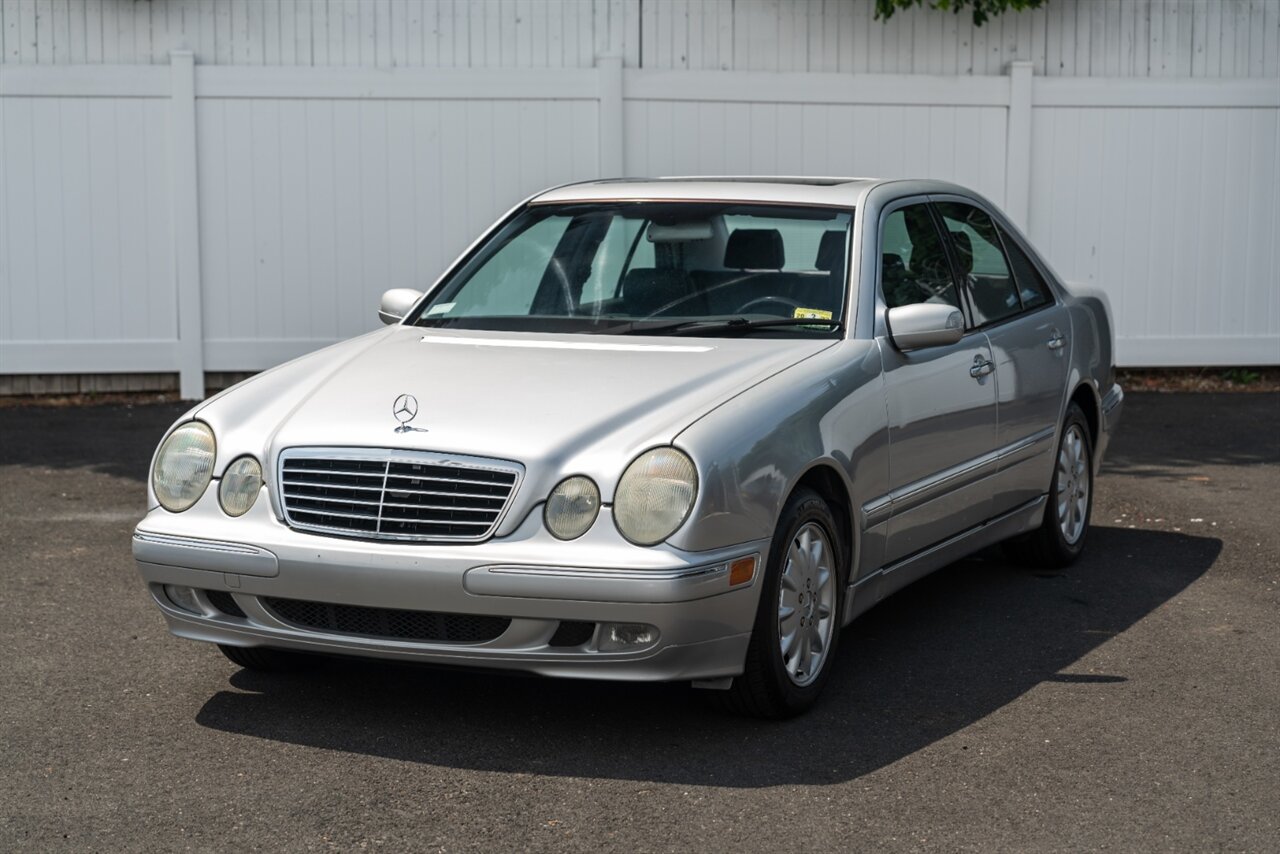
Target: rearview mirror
point(396, 304)
point(679, 232)
point(924, 324)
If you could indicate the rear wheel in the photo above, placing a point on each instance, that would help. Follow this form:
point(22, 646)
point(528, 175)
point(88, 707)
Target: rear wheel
point(1060, 538)
point(263, 658)
point(797, 625)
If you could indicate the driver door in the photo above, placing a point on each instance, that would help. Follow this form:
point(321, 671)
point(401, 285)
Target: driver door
point(940, 401)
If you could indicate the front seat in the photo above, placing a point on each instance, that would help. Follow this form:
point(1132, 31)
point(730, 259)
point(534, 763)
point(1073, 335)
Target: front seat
point(831, 249)
point(827, 291)
point(991, 302)
point(928, 277)
point(758, 255)
point(755, 249)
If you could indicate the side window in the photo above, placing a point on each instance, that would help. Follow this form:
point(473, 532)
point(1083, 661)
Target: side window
point(1032, 287)
point(982, 262)
point(507, 283)
point(644, 257)
point(618, 247)
point(913, 261)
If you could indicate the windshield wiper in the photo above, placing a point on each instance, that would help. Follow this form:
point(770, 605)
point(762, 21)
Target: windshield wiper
point(735, 325)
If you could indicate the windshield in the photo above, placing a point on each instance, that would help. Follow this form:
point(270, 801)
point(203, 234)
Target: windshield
point(633, 267)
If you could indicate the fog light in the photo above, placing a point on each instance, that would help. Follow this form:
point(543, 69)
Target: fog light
point(183, 597)
point(620, 636)
point(241, 483)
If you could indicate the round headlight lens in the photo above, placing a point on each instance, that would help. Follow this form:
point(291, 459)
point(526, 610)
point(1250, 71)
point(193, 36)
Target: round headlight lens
point(184, 466)
point(655, 495)
point(572, 507)
point(240, 485)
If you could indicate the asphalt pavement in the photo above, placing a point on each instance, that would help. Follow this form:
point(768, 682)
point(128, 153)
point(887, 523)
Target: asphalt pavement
point(1129, 703)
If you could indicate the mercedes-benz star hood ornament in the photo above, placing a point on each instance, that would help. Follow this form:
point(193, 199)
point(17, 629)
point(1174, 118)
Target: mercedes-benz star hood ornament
point(405, 409)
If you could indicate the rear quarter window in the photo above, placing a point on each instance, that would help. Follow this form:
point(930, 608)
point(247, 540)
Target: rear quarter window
point(1033, 290)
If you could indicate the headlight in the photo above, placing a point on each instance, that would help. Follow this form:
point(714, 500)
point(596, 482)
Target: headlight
point(240, 485)
point(572, 507)
point(183, 466)
point(655, 495)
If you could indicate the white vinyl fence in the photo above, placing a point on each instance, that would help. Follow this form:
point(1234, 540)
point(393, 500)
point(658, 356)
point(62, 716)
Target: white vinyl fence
point(199, 218)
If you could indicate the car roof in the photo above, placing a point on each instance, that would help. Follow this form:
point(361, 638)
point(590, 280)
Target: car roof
point(837, 192)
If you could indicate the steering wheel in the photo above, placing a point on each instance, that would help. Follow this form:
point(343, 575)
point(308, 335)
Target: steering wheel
point(666, 307)
point(790, 303)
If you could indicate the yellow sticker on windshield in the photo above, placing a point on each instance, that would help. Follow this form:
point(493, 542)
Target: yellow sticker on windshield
point(812, 314)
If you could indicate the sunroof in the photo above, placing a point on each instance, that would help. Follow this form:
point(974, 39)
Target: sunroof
point(762, 179)
point(741, 179)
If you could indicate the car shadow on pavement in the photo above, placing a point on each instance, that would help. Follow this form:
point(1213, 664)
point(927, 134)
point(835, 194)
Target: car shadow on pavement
point(922, 665)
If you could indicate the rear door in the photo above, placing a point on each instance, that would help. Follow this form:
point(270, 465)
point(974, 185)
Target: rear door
point(940, 401)
point(1028, 331)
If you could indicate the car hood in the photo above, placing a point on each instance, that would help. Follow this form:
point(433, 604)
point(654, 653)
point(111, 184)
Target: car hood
point(558, 404)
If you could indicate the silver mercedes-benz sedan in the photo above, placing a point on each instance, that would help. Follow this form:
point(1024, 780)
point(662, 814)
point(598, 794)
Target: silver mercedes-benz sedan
point(674, 429)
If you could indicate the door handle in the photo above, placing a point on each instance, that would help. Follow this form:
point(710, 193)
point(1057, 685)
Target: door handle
point(981, 367)
point(1056, 340)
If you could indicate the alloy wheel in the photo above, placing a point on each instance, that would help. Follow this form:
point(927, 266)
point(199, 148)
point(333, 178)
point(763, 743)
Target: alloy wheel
point(1073, 484)
point(806, 604)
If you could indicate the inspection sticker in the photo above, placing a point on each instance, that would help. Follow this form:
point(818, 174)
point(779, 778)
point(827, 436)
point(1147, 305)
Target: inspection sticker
point(812, 314)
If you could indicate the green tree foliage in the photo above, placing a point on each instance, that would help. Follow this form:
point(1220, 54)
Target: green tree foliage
point(980, 9)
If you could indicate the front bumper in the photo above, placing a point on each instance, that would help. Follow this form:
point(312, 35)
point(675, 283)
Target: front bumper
point(529, 578)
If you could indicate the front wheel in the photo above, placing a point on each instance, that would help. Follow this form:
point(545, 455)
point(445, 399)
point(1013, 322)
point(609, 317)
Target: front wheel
point(797, 625)
point(1060, 538)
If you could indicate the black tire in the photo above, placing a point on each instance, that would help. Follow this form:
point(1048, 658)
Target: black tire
point(765, 690)
point(264, 659)
point(1048, 546)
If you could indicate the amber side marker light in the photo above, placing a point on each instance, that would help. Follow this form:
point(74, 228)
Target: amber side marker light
point(742, 570)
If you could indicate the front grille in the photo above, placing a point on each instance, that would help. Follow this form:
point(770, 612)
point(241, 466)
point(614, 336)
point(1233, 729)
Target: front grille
point(395, 495)
point(387, 622)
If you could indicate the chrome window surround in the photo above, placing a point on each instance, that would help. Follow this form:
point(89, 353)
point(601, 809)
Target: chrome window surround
point(387, 456)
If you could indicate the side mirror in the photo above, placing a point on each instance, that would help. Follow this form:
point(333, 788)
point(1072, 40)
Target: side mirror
point(396, 304)
point(925, 324)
